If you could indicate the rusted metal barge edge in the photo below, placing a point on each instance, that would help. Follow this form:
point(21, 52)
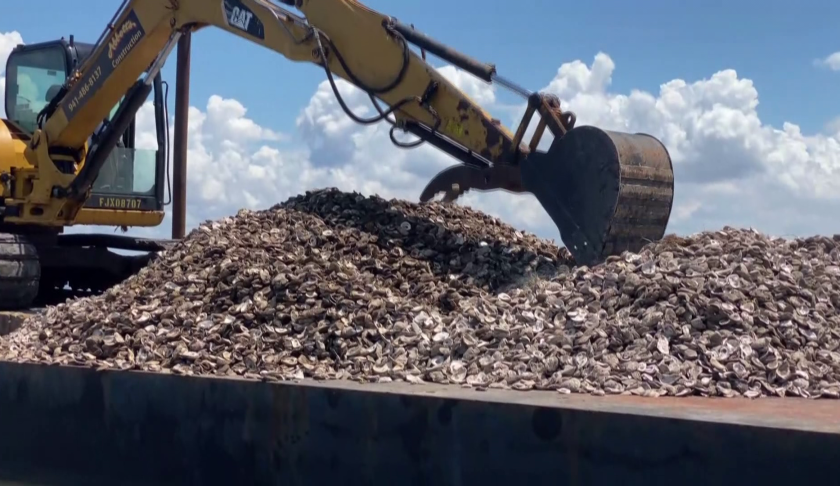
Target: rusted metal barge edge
point(112, 427)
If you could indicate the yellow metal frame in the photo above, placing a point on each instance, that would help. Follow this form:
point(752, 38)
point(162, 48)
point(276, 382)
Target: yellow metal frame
point(144, 29)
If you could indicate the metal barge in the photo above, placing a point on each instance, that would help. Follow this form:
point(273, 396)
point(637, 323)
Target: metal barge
point(79, 426)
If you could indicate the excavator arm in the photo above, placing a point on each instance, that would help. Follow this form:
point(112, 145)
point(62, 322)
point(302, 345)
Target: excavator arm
point(605, 191)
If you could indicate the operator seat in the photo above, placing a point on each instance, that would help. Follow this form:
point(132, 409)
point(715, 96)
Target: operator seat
point(51, 92)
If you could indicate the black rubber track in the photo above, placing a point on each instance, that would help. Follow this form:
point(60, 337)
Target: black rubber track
point(20, 272)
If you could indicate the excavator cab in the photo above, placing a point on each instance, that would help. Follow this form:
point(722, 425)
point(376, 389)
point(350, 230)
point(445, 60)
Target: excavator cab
point(131, 179)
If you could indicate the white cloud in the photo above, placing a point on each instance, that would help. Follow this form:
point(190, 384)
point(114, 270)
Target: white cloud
point(833, 126)
point(832, 61)
point(8, 41)
point(730, 167)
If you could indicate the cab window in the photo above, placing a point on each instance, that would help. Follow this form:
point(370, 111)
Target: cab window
point(33, 78)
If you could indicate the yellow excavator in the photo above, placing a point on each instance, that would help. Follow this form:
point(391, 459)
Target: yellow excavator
point(68, 156)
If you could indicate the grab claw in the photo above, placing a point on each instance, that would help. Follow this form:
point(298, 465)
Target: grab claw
point(458, 179)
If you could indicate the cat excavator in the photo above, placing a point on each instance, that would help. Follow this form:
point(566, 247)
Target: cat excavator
point(68, 154)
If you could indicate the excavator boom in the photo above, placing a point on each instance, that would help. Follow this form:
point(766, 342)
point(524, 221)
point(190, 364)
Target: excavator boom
point(606, 192)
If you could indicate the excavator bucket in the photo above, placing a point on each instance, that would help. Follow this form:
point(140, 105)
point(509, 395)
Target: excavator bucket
point(607, 192)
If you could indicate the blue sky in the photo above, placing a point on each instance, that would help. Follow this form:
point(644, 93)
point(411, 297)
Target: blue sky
point(775, 168)
point(653, 41)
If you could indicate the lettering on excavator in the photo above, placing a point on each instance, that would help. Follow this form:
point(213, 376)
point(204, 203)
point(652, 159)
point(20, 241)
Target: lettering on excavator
point(125, 203)
point(120, 203)
point(241, 17)
point(116, 43)
point(124, 39)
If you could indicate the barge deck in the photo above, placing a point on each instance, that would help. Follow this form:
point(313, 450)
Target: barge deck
point(120, 427)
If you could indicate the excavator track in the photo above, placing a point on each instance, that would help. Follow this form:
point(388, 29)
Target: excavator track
point(40, 269)
point(20, 272)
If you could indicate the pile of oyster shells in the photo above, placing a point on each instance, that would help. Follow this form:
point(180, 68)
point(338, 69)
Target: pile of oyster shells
point(334, 285)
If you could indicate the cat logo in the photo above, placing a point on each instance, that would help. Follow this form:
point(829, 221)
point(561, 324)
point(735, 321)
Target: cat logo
point(240, 18)
point(126, 27)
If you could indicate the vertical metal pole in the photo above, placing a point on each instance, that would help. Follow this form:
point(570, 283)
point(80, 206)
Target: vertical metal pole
point(179, 157)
